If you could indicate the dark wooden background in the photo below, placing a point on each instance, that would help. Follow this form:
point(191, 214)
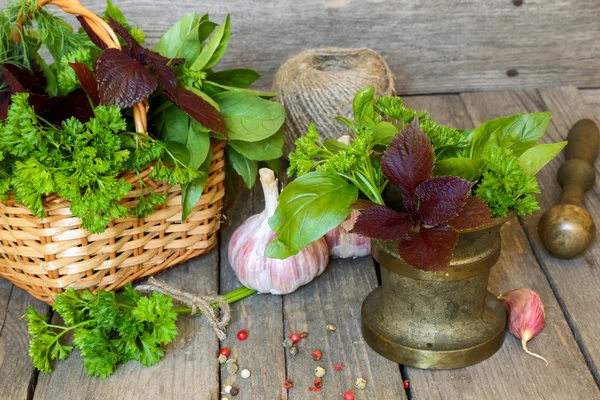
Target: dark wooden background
point(433, 46)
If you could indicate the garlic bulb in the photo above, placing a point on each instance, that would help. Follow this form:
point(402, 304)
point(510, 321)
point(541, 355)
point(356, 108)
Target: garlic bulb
point(526, 316)
point(269, 275)
point(343, 244)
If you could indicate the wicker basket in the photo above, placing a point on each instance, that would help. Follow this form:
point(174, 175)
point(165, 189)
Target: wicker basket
point(45, 256)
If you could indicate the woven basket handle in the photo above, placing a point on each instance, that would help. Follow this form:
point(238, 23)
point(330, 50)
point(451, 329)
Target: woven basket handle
point(104, 32)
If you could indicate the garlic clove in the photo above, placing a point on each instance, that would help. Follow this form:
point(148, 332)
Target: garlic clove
point(526, 315)
point(268, 275)
point(343, 244)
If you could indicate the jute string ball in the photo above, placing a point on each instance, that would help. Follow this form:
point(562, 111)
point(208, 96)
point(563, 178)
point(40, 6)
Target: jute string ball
point(317, 85)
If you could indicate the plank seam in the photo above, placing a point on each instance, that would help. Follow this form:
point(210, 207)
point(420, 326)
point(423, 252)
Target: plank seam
point(12, 288)
point(576, 334)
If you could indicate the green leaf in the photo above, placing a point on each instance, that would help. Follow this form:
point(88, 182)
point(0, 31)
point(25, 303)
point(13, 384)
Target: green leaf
point(534, 159)
point(248, 117)
point(115, 13)
point(204, 96)
point(215, 88)
point(51, 83)
point(175, 125)
point(247, 169)
point(274, 165)
point(191, 47)
point(384, 132)
point(267, 149)
point(239, 78)
point(517, 133)
point(215, 48)
point(172, 42)
point(179, 151)
point(308, 208)
point(335, 146)
point(205, 28)
point(192, 192)
point(198, 144)
point(466, 168)
point(363, 105)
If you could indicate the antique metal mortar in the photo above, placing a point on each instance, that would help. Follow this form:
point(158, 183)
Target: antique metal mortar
point(437, 320)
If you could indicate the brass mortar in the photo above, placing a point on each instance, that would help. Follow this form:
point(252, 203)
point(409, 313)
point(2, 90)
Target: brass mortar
point(437, 320)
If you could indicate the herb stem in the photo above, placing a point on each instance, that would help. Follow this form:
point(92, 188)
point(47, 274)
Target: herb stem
point(231, 297)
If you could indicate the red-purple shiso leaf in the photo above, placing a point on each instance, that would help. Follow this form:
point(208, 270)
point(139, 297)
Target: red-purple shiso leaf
point(442, 198)
point(88, 81)
point(91, 34)
point(408, 162)
point(431, 249)
point(381, 222)
point(474, 214)
point(361, 204)
point(123, 81)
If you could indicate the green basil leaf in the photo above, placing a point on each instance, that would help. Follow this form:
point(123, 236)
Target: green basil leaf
point(172, 42)
point(204, 96)
point(198, 144)
point(384, 132)
point(175, 126)
point(308, 208)
point(247, 169)
point(191, 192)
point(363, 105)
point(205, 28)
point(248, 117)
point(348, 122)
point(466, 168)
point(115, 13)
point(517, 133)
point(335, 146)
point(534, 159)
point(179, 151)
point(267, 149)
point(239, 78)
point(218, 88)
point(215, 48)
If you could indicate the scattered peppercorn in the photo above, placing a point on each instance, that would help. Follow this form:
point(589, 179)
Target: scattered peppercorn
point(222, 359)
point(225, 351)
point(406, 384)
point(288, 384)
point(303, 335)
point(338, 367)
point(228, 389)
point(245, 373)
point(331, 327)
point(242, 335)
point(234, 391)
point(320, 372)
point(316, 355)
point(361, 384)
point(318, 383)
point(287, 343)
point(348, 395)
point(293, 350)
point(295, 338)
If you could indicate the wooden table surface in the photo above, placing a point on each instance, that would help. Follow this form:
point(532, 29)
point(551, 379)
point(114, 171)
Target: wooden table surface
point(569, 289)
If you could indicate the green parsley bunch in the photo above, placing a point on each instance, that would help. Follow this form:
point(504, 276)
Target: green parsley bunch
point(81, 162)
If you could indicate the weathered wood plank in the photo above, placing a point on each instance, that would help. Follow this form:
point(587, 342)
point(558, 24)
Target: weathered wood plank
point(17, 375)
point(576, 281)
point(336, 298)
point(189, 369)
point(592, 98)
point(261, 315)
point(510, 373)
point(434, 46)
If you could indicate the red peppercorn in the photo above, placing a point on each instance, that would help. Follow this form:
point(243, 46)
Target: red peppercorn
point(318, 383)
point(288, 384)
point(242, 335)
point(406, 384)
point(225, 351)
point(295, 338)
point(316, 355)
point(348, 395)
point(338, 367)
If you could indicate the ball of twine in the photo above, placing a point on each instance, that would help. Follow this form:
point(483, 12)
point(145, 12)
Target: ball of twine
point(317, 85)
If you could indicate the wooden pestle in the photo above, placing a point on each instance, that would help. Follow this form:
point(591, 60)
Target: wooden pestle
point(567, 229)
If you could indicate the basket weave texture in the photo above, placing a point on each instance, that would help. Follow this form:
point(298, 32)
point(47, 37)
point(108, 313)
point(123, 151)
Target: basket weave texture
point(45, 256)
